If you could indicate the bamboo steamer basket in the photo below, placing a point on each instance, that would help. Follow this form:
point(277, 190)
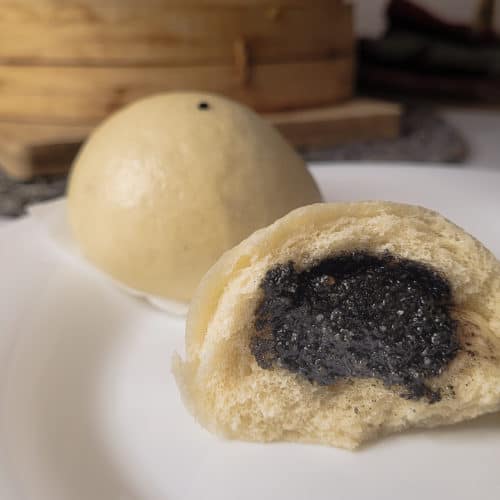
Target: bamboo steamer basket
point(75, 61)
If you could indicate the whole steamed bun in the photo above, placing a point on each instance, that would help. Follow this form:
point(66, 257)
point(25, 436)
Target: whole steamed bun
point(166, 185)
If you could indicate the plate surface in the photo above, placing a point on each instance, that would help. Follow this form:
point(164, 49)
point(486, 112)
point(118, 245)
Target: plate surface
point(89, 409)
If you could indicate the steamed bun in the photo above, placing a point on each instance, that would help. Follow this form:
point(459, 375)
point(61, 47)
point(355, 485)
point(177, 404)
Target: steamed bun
point(163, 187)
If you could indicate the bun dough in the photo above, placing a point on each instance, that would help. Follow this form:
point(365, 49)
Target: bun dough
point(163, 187)
point(230, 394)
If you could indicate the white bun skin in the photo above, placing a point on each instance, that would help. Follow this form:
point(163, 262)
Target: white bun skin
point(229, 394)
point(162, 188)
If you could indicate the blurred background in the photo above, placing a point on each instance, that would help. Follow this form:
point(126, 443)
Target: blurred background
point(367, 80)
point(370, 18)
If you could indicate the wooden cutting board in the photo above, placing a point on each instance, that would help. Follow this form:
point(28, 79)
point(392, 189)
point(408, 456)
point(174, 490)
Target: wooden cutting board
point(353, 121)
point(27, 149)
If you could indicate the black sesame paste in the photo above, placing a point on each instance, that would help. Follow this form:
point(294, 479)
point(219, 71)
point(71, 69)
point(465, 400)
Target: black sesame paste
point(357, 315)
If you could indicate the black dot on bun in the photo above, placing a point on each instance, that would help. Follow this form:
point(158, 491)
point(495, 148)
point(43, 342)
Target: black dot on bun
point(203, 105)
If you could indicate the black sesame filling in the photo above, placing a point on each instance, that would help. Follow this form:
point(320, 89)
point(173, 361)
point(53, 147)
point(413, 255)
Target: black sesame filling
point(357, 315)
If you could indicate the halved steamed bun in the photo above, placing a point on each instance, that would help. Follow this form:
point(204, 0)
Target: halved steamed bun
point(343, 322)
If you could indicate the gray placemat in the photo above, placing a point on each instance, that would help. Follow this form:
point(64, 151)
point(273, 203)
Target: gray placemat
point(425, 137)
point(15, 195)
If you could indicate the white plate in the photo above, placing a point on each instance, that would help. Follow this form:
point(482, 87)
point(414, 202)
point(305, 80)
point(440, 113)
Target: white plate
point(89, 409)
